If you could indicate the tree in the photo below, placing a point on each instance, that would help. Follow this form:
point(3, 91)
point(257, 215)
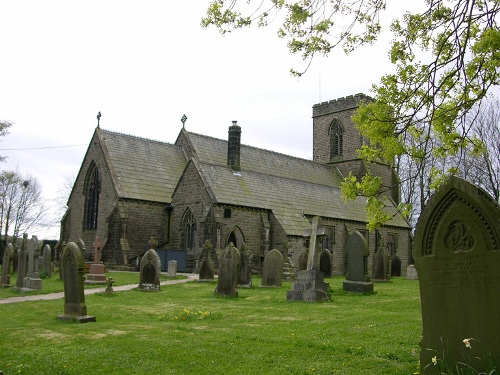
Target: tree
point(447, 60)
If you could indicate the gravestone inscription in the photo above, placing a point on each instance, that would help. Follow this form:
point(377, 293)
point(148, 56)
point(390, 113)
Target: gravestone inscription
point(150, 272)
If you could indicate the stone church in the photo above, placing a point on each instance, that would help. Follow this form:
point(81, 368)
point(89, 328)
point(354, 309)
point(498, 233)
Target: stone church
point(130, 190)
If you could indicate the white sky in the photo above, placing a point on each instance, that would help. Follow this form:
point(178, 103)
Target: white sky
point(144, 64)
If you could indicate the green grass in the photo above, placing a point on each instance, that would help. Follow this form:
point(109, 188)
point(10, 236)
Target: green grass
point(185, 329)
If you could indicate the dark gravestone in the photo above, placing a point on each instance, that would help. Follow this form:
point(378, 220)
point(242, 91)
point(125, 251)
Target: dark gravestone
point(7, 256)
point(396, 266)
point(21, 262)
point(47, 261)
point(325, 263)
point(150, 272)
point(75, 308)
point(96, 273)
point(245, 272)
point(272, 272)
point(357, 279)
point(457, 256)
point(381, 265)
point(228, 272)
point(303, 260)
point(310, 285)
point(207, 266)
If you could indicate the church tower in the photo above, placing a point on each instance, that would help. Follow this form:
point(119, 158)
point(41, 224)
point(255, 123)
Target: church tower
point(336, 141)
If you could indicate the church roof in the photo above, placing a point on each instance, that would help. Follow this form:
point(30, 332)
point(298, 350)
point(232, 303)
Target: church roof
point(142, 168)
point(288, 186)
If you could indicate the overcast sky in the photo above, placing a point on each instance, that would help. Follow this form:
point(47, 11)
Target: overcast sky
point(143, 64)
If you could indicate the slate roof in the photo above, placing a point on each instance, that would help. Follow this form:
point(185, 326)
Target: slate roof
point(290, 187)
point(143, 169)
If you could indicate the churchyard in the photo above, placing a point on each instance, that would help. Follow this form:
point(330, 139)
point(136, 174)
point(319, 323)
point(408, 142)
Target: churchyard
point(186, 328)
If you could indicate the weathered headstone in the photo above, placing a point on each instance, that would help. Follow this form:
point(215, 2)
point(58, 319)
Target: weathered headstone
point(75, 308)
point(109, 285)
point(207, 267)
point(6, 260)
point(150, 272)
point(411, 272)
point(272, 272)
point(288, 271)
point(47, 261)
point(32, 281)
point(325, 263)
point(245, 271)
point(395, 266)
point(357, 279)
point(172, 268)
point(381, 265)
point(96, 273)
point(310, 285)
point(228, 272)
point(457, 256)
point(303, 260)
point(21, 261)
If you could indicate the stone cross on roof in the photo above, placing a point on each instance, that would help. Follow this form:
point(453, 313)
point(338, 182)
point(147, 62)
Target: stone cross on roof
point(315, 231)
point(97, 249)
point(183, 119)
point(98, 118)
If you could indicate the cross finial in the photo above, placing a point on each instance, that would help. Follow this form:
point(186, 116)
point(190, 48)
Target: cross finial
point(98, 118)
point(183, 119)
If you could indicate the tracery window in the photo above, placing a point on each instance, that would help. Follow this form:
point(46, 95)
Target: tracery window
point(189, 226)
point(336, 139)
point(92, 190)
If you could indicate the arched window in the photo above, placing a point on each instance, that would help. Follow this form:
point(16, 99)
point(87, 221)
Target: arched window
point(92, 190)
point(189, 227)
point(336, 139)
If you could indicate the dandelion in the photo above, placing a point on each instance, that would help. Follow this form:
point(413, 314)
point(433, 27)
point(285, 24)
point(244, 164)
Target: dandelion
point(434, 360)
point(467, 343)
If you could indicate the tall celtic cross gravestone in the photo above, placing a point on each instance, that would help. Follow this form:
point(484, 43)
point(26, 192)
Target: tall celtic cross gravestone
point(96, 273)
point(457, 256)
point(310, 285)
point(75, 308)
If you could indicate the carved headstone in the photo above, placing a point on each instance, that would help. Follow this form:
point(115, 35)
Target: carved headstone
point(272, 273)
point(457, 256)
point(357, 279)
point(47, 261)
point(150, 271)
point(411, 272)
point(325, 263)
point(32, 281)
point(310, 285)
point(228, 272)
point(245, 272)
point(6, 260)
point(21, 262)
point(381, 265)
point(75, 308)
point(207, 267)
point(303, 260)
point(172, 268)
point(109, 285)
point(96, 273)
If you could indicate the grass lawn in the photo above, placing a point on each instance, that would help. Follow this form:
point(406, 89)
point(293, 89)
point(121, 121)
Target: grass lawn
point(185, 329)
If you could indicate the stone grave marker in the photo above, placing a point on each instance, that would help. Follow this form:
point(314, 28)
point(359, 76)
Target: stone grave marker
point(457, 256)
point(288, 271)
point(411, 272)
point(172, 268)
point(381, 265)
point(272, 272)
point(228, 272)
point(21, 262)
point(310, 285)
point(357, 279)
point(150, 272)
point(47, 261)
point(109, 285)
point(207, 267)
point(6, 260)
point(325, 263)
point(395, 266)
point(303, 260)
point(75, 308)
point(32, 281)
point(245, 269)
point(96, 273)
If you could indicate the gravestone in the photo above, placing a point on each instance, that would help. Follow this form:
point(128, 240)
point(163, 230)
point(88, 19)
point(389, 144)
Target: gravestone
point(6, 260)
point(150, 272)
point(381, 265)
point(96, 273)
point(303, 260)
point(207, 267)
point(272, 272)
point(245, 271)
point(32, 281)
point(411, 272)
point(357, 279)
point(109, 285)
point(325, 263)
point(457, 256)
point(395, 266)
point(75, 308)
point(21, 261)
point(288, 271)
point(310, 285)
point(172, 268)
point(228, 272)
point(47, 261)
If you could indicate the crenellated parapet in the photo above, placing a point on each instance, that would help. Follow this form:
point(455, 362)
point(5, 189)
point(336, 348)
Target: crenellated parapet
point(340, 104)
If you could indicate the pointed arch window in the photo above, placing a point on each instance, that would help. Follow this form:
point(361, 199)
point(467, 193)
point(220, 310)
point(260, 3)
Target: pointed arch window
point(92, 190)
point(336, 139)
point(189, 226)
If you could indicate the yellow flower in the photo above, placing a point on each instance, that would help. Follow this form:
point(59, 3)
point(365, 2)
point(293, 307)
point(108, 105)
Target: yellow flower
point(434, 360)
point(467, 343)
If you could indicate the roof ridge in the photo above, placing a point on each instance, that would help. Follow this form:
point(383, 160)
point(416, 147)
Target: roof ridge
point(137, 137)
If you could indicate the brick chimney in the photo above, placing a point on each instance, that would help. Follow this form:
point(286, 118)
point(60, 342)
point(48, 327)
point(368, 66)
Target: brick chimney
point(233, 147)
